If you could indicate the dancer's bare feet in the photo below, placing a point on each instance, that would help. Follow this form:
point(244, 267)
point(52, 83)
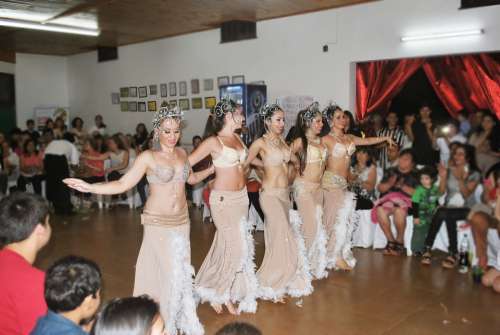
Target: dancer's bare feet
point(341, 264)
point(231, 308)
point(217, 308)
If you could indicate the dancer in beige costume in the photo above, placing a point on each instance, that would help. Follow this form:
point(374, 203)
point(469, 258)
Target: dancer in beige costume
point(227, 275)
point(339, 203)
point(306, 187)
point(163, 268)
point(285, 269)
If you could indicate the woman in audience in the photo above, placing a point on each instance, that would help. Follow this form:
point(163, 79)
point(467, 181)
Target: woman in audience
point(131, 316)
point(459, 182)
point(485, 216)
point(31, 168)
point(421, 133)
point(77, 130)
point(227, 274)
point(141, 134)
point(99, 126)
point(285, 268)
point(339, 203)
point(118, 156)
point(486, 140)
point(59, 128)
point(163, 267)
point(363, 177)
point(49, 125)
point(351, 126)
point(93, 169)
point(307, 191)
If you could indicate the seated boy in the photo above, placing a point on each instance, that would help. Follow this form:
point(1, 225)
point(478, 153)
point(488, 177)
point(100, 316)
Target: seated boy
point(72, 293)
point(24, 230)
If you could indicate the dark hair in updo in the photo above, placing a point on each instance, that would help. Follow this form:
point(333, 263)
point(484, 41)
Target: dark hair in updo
point(220, 110)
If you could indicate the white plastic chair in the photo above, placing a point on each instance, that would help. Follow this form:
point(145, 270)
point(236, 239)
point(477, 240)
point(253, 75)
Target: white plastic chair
point(380, 241)
point(364, 234)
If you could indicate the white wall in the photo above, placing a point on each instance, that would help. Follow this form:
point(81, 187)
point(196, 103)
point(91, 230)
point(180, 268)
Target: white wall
point(7, 67)
point(40, 81)
point(287, 55)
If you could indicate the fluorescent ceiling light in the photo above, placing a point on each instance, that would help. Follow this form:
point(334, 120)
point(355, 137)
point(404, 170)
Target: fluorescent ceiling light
point(433, 36)
point(48, 27)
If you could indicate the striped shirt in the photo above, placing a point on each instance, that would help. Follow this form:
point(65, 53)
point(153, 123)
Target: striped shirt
point(398, 136)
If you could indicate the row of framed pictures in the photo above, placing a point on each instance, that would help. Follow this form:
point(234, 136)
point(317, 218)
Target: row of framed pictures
point(171, 88)
point(151, 106)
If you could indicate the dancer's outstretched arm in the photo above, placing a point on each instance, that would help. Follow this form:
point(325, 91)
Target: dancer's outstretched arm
point(371, 140)
point(126, 182)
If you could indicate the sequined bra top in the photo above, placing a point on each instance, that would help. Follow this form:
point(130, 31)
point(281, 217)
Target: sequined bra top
point(230, 157)
point(165, 175)
point(342, 150)
point(315, 154)
point(276, 156)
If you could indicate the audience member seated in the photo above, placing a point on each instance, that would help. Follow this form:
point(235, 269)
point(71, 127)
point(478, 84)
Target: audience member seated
point(424, 204)
point(238, 328)
point(59, 155)
point(421, 134)
point(72, 294)
point(31, 171)
point(485, 216)
point(448, 134)
point(396, 188)
point(141, 134)
point(49, 125)
point(99, 127)
point(24, 230)
point(464, 123)
point(10, 165)
point(363, 178)
point(459, 182)
point(30, 129)
point(78, 131)
point(59, 128)
point(394, 131)
point(486, 140)
point(130, 316)
point(91, 170)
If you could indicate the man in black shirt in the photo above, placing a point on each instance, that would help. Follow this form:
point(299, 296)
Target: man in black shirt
point(422, 136)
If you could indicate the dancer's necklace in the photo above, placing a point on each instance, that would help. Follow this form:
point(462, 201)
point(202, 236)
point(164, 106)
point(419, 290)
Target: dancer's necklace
point(275, 141)
point(315, 140)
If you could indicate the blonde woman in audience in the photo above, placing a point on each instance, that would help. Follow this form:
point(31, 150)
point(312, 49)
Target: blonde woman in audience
point(339, 203)
point(285, 269)
point(227, 275)
point(307, 188)
point(163, 267)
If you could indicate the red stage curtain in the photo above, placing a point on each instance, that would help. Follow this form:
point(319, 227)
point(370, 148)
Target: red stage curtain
point(379, 81)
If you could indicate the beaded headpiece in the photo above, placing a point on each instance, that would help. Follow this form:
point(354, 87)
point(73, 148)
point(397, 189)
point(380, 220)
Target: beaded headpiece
point(164, 113)
point(267, 111)
point(330, 109)
point(224, 106)
point(311, 111)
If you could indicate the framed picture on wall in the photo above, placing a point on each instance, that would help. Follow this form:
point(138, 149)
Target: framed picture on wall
point(153, 89)
point(172, 89)
point(132, 106)
point(210, 102)
point(240, 79)
point(163, 90)
point(132, 92)
point(124, 92)
point(143, 92)
point(184, 104)
point(182, 89)
point(195, 86)
point(221, 81)
point(197, 103)
point(208, 84)
point(141, 106)
point(115, 98)
point(151, 106)
point(124, 106)
point(172, 103)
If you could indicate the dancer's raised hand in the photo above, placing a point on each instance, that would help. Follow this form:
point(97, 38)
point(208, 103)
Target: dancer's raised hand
point(78, 185)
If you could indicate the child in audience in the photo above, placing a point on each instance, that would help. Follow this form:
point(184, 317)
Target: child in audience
point(24, 230)
point(424, 205)
point(238, 328)
point(131, 316)
point(72, 293)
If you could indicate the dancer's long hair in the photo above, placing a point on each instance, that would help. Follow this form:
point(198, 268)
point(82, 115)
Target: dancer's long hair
point(301, 125)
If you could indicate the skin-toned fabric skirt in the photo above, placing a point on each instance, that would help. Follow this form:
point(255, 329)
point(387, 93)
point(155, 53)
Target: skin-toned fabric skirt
point(309, 199)
point(228, 271)
point(339, 218)
point(164, 272)
point(285, 268)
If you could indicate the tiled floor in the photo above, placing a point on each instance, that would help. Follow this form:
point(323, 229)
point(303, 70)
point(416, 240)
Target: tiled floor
point(383, 295)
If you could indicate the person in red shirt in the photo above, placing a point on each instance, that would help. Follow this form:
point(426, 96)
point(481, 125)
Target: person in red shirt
point(24, 230)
